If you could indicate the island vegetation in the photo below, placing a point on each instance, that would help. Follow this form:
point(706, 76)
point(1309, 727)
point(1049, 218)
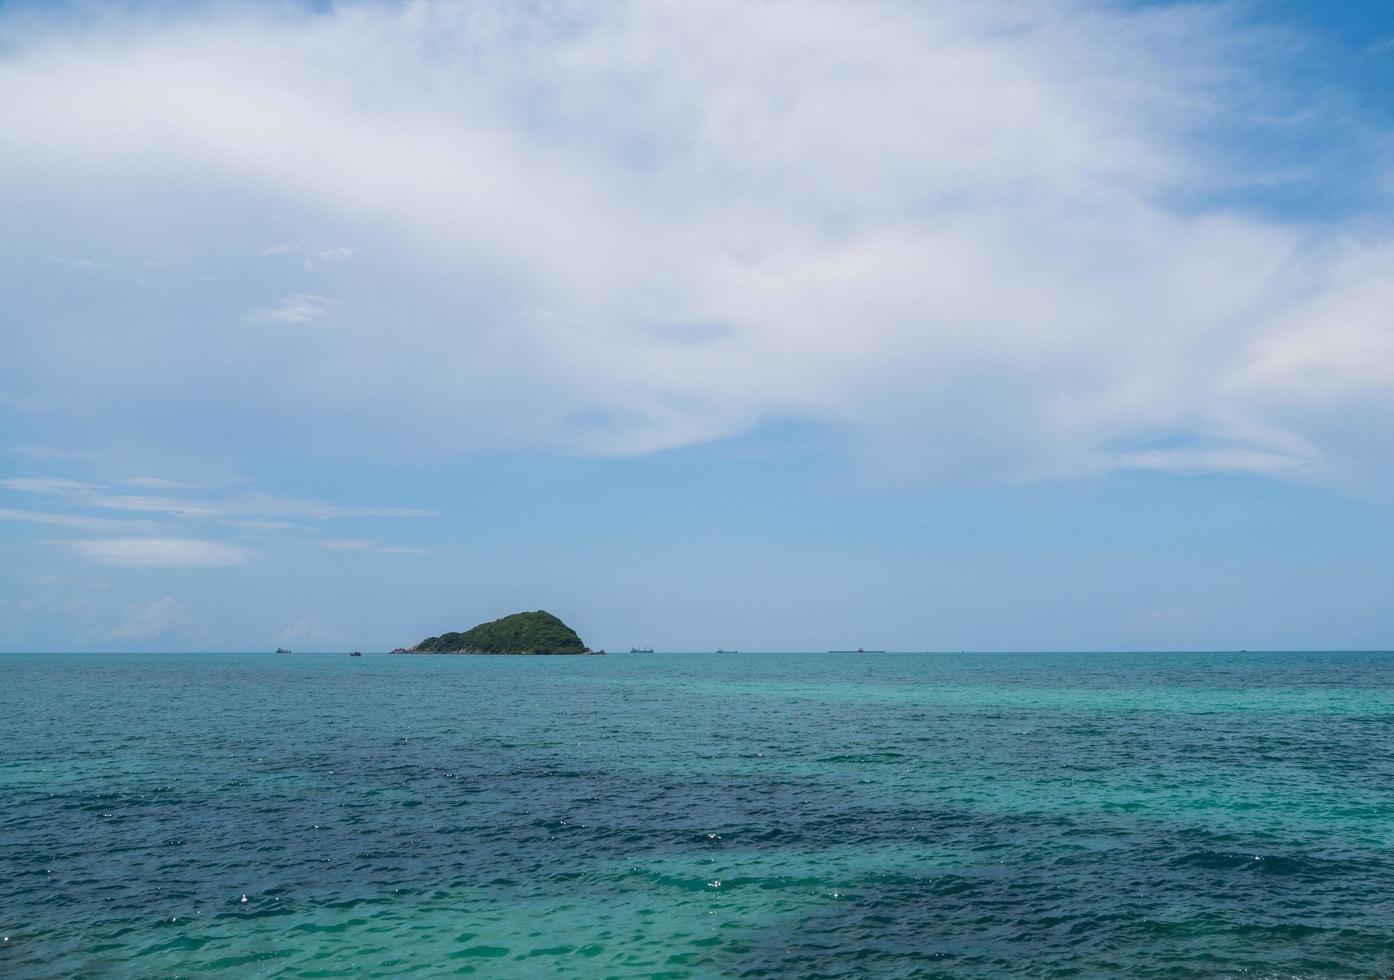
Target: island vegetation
point(521, 633)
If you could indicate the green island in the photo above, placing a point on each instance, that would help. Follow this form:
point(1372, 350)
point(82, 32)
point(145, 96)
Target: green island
point(536, 633)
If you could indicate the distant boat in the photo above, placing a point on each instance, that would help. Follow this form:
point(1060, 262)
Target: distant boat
point(641, 649)
point(858, 650)
point(356, 653)
point(283, 650)
point(728, 651)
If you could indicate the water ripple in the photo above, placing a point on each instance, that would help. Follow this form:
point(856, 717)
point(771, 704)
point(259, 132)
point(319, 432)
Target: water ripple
point(766, 816)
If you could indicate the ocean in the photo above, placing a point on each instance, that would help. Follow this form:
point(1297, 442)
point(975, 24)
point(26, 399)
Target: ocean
point(698, 815)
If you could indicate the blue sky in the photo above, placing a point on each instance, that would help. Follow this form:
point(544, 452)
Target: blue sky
point(966, 325)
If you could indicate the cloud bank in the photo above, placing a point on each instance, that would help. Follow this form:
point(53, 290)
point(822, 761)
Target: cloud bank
point(975, 240)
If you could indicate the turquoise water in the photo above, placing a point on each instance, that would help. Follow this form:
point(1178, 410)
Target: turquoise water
point(776, 815)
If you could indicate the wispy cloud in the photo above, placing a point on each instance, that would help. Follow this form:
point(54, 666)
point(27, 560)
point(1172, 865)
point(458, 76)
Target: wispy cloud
point(358, 544)
point(79, 263)
point(347, 544)
point(160, 552)
point(151, 620)
point(162, 483)
point(337, 254)
point(1210, 461)
point(48, 485)
point(249, 504)
point(299, 308)
point(255, 524)
point(246, 505)
point(77, 521)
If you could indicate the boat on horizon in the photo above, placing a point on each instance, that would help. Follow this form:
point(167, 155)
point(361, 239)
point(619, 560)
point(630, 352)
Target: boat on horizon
point(356, 653)
point(728, 651)
point(858, 650)
point(283, 650)
point(641, 649)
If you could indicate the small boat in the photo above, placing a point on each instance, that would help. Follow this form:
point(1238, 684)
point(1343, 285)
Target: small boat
point(641, 649)
point(728, 651)
point(283, 650)
point(356, 653)
point(858, 650)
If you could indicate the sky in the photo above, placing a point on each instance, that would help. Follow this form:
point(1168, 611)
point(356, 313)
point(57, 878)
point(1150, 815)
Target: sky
point(966, 324)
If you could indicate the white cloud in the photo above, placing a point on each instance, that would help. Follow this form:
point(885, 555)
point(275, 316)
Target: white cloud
point(255, 504)
point(161, 552)
point(248, 504)
point(300, 308)
point(254, 524)
point(358, 544)
point(287, 309)
point(151, 620)
point(1207, 460)
point(79, 263)
point(79, 521)
point(48, 485)
point(160, 483)
point(336, 254)
point(948, 232)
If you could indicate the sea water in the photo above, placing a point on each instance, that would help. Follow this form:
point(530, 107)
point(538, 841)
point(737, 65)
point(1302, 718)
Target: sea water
point(690, 815)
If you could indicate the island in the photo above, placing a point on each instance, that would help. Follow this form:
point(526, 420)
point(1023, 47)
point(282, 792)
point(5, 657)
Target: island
point(524, 633)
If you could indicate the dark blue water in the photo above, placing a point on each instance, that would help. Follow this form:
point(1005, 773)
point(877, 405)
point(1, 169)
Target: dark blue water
point(698, 815)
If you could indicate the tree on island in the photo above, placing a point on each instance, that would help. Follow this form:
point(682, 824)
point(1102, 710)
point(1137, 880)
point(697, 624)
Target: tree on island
point(521, 633)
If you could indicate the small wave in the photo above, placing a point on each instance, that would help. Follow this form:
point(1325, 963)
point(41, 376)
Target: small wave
point(1268, 864)
point(865, 757)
